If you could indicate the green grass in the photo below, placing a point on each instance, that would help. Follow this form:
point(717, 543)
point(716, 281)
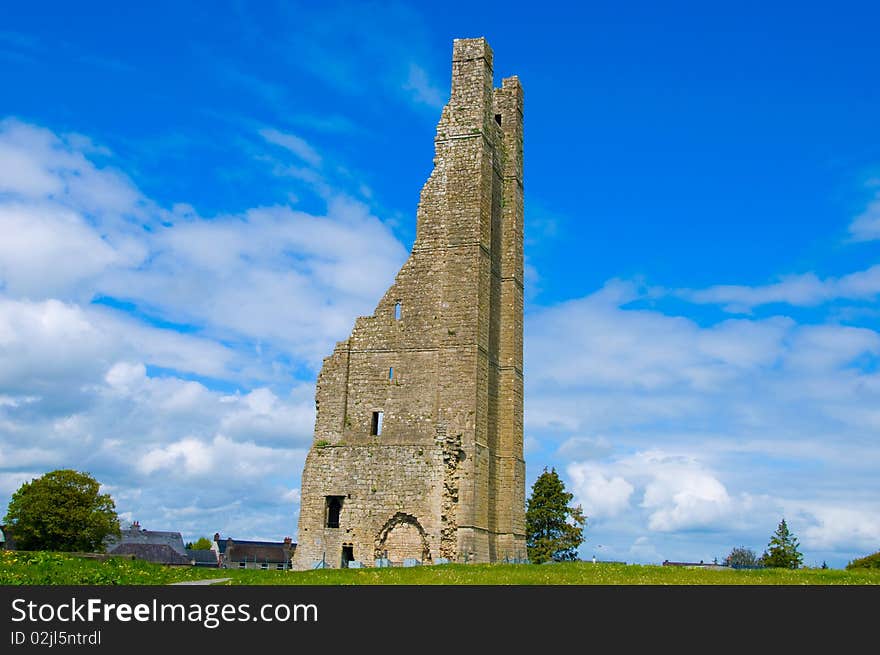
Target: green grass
point(60, 569)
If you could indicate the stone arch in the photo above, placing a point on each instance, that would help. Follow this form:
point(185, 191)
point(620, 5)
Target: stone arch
point(403, 537)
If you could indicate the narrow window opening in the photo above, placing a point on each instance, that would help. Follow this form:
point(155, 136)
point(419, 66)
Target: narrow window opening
point(334, 509)
point(376, 424)
point(397, 311)
point(391, 373)
point(498, 118)
point(347, 555)
point(241, 565)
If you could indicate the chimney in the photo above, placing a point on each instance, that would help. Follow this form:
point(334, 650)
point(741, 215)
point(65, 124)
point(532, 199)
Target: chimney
point(216, 536)
point(288, 541)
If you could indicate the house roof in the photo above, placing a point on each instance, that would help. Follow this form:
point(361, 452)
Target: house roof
point(156, 553)
point(258, 551)
point(135, 535)
point(202, 556)
point(223, 544)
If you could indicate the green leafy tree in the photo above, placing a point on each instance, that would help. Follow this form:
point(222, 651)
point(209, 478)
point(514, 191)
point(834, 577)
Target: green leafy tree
point(62, 511)
point(742, 558)
point(782, 551)
point(554, 530)
point(866, 562)
point(202, 543)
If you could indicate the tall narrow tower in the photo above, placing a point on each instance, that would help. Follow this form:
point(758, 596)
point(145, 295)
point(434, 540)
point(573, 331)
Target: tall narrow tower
point(418, 450)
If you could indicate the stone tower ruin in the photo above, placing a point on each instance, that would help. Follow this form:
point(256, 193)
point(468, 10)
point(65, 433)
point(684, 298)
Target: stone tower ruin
point(418, 450)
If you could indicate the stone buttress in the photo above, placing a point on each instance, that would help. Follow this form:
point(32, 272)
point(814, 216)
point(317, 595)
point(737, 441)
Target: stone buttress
point(418, 450)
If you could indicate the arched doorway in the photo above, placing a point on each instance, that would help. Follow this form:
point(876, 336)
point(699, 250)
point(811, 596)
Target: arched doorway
point(402, 537)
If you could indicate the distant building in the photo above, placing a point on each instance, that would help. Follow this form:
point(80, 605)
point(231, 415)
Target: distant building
point(206, 557)
point(156, 546)
point(155, 553)
point(244, 554)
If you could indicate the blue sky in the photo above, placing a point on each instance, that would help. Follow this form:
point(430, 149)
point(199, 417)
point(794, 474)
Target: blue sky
point(197, 201)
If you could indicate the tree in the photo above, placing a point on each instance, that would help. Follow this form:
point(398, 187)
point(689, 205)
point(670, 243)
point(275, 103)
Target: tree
point(62, 511)
point(742, 558)
point(782, 551)
point(202, 543)
point(866, 562)
point(549, 533)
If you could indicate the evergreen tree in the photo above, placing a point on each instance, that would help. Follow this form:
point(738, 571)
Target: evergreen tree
point(550, 535)
point(782, 551)
point(62, 511)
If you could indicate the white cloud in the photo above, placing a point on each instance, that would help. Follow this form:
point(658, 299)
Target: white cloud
point(835, 526)
point(601, 496)
point(39, 165)
point(678, 491)
point(50, 345)
point(297, 145)
point(681, 493)
point(582, 448)
point(291, 279)
point(866, 226)
point(804, 290)
point(422, 89)
point(713, 427)
point(239, 301)
point(609, 348)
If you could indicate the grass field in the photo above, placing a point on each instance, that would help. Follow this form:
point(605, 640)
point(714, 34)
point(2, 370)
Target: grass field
point(39, 568)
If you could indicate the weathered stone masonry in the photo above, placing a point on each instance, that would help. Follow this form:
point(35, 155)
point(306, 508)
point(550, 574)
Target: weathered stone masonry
point(418, 449)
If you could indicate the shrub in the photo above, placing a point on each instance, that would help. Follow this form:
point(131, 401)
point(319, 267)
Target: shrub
point(867, 562)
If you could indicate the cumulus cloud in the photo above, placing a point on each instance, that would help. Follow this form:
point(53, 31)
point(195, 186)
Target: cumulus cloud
point(288, 278)
point(680, 494)
point(707, 428)
point(835, 526)
point(600, 495)
point(51, 347)
point(159, 349)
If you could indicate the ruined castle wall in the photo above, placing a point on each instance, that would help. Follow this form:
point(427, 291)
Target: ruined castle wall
point(440, 358)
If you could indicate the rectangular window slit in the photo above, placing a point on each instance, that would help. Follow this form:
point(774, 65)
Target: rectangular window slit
point(376, 424)
point(498, 118)
point(397, 311)
point(391, 373)
point(334, 509)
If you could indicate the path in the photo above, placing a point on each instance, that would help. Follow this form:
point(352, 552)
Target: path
point(202, 582)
